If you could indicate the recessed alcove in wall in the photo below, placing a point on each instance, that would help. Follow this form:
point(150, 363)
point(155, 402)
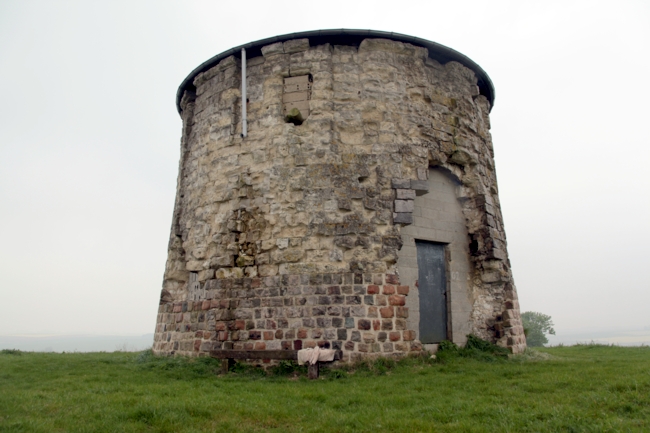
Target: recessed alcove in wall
point(295, 98)
point(437, 220)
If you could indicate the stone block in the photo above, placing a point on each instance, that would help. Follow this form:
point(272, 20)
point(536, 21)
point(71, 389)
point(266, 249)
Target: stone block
point(323, 322)
point(392, 279)
point(363, 324)
point(259, 345)
point(205, 274)
point(207, 346)
point(404, 206)
point(333, 311)
point(400, 183)
point(403, 218)
point(512, 304)
point(497, 253)
point(226, 63)
point(352, 300)
point(276, 48)
point(296, 45)
point(403, 290)
point(334, 290)
point(344, 203)
point(420, 186)
point(387, 312)
point(267, 270)
point(402, 312)
point(405, 194)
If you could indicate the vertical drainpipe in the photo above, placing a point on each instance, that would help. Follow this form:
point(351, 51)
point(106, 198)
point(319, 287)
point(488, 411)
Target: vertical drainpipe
point(244, 124)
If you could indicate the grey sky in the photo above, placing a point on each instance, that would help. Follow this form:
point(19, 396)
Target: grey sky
point(89, 146)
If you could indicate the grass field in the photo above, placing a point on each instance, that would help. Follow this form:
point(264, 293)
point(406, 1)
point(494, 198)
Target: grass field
point(587, 388)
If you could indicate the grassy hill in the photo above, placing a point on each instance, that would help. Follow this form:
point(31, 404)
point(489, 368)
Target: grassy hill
point(585, 388)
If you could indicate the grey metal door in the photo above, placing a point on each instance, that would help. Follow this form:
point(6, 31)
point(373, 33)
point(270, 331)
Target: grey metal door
point(432, 289)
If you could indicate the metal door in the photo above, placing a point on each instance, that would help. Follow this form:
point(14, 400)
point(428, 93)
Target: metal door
point(432, 288)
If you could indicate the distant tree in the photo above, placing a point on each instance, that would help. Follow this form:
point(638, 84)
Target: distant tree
point(536, 326)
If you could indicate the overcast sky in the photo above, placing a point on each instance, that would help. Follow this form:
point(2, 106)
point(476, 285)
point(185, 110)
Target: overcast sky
point(89, 145)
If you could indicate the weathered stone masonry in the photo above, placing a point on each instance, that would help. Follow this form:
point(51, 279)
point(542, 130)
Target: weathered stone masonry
point(289, 238)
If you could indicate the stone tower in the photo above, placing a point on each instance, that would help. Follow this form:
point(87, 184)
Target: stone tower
point(336, 188)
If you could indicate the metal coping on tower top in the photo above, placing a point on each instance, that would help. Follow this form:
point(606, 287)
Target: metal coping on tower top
point(437, 52)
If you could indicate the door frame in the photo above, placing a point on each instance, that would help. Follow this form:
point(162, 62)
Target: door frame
point(447, 260)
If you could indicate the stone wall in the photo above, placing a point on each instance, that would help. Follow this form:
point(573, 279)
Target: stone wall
point(289, 237)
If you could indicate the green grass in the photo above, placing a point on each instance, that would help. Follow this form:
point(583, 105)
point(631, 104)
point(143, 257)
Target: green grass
point(587, 388)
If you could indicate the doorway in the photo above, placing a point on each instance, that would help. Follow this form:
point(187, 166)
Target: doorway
point(432, 287)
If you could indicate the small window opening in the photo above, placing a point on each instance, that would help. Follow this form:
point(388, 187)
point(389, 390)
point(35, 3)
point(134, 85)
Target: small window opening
point(194, 281)
point(194, 287)
point(295, 98)
point(473, 247)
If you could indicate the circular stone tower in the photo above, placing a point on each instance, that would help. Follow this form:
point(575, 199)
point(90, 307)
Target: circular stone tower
point(336, 188)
